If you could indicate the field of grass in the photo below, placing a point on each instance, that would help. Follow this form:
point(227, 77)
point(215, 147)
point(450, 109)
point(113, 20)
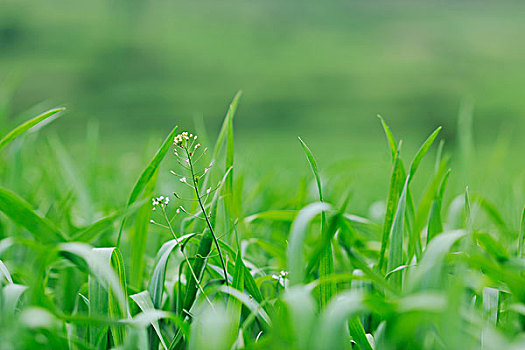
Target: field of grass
point(201, 253)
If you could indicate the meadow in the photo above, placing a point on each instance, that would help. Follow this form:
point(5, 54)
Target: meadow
point(201, 254)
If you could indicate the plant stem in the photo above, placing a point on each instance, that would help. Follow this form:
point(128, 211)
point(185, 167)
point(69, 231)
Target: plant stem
point(185, 257)
point(196, 187)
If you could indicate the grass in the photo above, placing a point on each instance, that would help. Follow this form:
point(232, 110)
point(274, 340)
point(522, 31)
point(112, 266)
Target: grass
point(217, 262)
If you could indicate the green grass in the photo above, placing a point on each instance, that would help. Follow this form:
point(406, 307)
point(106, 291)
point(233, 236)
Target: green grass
point(234, 260)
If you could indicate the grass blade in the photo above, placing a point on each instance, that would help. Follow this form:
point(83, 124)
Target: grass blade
point(395, 256)
point(19, 130)
point(435, 224)
point(143, 300)
point(395, 188)
point(326, 262)
point(295, 253)
point(422, 152)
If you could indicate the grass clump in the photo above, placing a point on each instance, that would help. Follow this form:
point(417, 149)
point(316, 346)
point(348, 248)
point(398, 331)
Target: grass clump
point(206, 267)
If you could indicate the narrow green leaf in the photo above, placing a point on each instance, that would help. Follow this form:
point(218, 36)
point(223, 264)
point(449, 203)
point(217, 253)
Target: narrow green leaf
point(435, 223)
point(139, 235)
point(521, 235)
point(389, 137)
point(19, 130)
point(156, 284)
point(326, 262)
point(395, 256)
point(422, 152)
point(394, 190)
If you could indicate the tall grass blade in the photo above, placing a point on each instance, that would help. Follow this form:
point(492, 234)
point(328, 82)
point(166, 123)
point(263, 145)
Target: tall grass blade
point(326, 262)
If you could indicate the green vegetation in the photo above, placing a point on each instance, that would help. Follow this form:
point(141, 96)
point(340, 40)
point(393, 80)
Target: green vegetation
point(227, 259)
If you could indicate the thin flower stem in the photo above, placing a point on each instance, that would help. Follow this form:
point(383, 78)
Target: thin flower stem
point(185, 257)
point(196, 187)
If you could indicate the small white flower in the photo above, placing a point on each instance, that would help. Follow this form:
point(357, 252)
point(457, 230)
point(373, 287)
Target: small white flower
point(208, 190)
point(183, 179)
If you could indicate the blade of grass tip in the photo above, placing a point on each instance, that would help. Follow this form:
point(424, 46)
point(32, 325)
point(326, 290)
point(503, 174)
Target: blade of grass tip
point(223, 133)
point(425, 203)
point(326, 262)
point(19, 130)
point(521, 235)
point(395, 256)
point(435, 223)
point(423, 151)
point(147, 175)
point(395, 188)
point(390, 137)
point(18, 210)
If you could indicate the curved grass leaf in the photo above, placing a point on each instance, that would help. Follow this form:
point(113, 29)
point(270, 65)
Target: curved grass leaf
point(143, 300)
point(19, 130)
point(5, 272)
point(330, 332)
point(11, 295)
point(295, 253)
point(428, 273)
point(156, 284)
point(107, 287)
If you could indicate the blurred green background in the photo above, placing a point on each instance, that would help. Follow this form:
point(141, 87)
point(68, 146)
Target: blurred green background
point(322, 70)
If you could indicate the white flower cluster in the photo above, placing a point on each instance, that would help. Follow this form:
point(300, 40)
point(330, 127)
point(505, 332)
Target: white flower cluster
point(282, 278)
point(182, 139)
point(160, 201)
